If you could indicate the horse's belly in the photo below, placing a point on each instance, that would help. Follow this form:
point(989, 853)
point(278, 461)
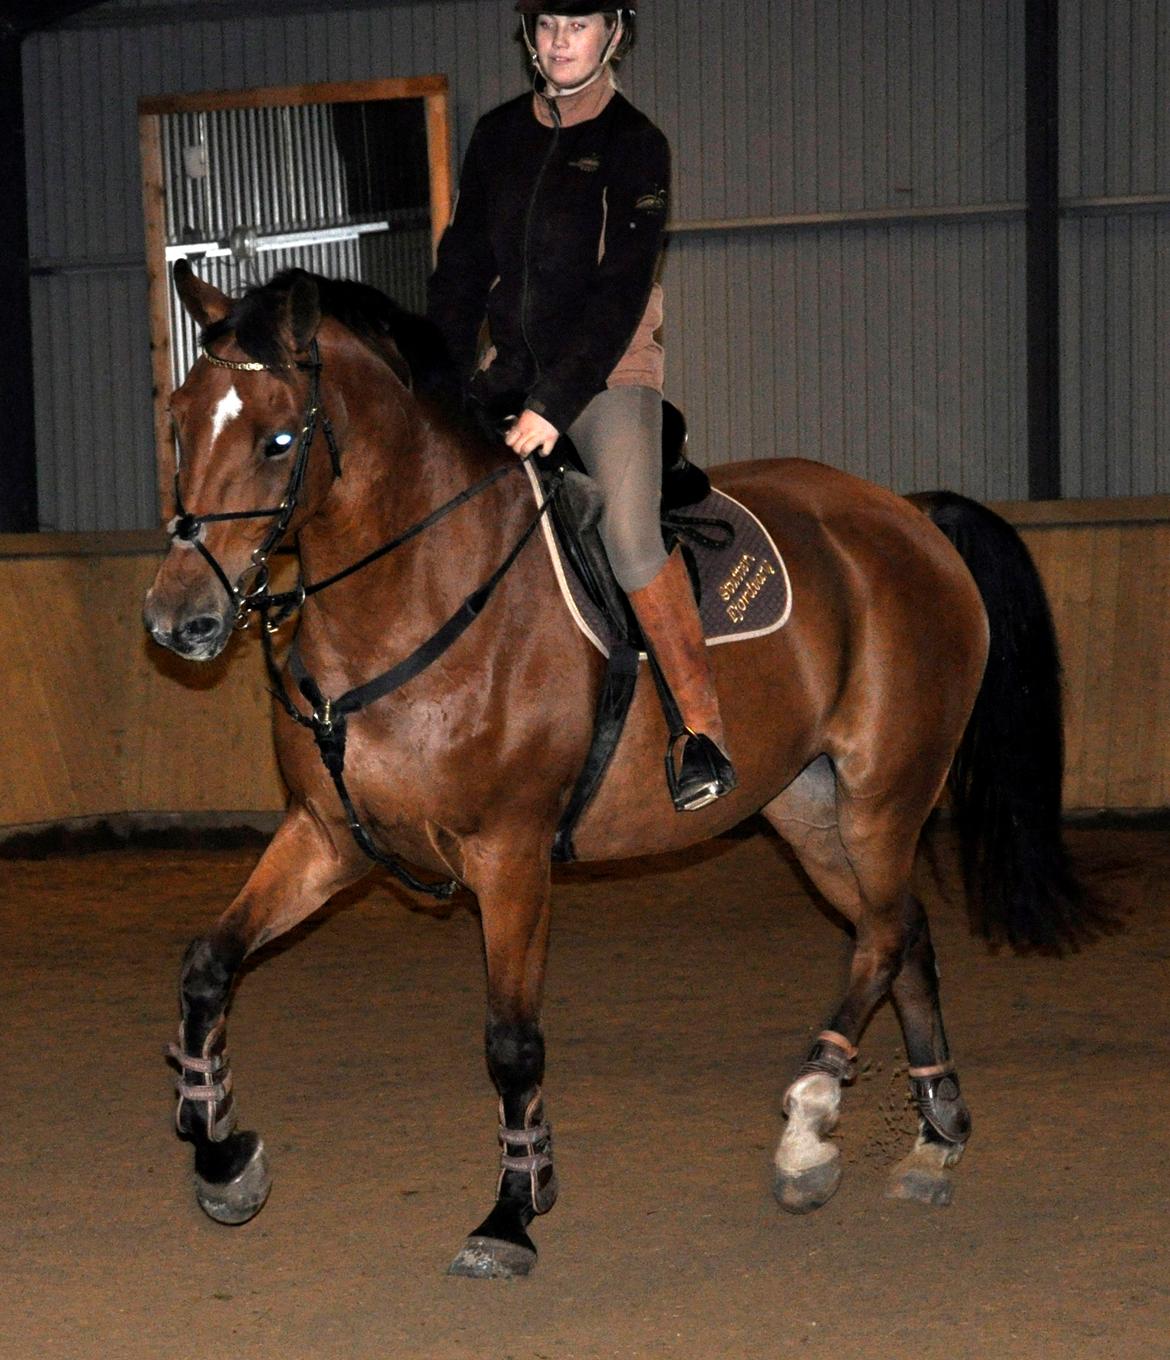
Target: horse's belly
point(770, 735)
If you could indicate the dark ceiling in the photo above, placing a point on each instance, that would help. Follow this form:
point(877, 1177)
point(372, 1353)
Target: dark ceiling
point(18, 17)
point(21, 17)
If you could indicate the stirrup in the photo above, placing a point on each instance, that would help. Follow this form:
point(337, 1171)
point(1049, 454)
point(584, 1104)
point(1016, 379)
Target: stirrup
point(704, 773)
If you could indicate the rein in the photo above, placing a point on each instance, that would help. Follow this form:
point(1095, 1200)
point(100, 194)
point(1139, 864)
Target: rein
point(329, 717)
point(287, 602)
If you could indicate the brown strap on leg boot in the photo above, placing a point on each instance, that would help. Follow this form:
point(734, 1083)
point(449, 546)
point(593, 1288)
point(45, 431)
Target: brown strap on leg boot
point(669, 618)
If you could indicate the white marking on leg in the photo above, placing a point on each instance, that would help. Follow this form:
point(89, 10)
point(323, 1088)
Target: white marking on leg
point(812, 1104)
point(228, 408)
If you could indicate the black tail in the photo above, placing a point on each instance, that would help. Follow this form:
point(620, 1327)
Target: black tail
point(1006, 778)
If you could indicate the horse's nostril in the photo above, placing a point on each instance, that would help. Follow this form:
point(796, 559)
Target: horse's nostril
point(199, 628)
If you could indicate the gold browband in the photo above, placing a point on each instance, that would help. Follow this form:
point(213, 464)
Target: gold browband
point(234, 364)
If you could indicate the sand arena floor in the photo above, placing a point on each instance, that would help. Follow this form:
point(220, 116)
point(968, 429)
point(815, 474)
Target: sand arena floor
point(681, 995)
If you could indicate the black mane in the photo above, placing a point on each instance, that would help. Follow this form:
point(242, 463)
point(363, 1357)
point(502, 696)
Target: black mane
point(256, 320)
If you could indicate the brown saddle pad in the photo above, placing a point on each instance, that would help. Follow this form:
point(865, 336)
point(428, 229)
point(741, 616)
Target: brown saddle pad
point(744, 586)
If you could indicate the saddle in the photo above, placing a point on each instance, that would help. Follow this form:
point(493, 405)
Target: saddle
point(578, 505)
point(738, 578)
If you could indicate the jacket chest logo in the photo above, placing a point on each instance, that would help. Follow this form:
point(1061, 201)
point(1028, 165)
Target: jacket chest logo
point(652, 203)
point(587, 163)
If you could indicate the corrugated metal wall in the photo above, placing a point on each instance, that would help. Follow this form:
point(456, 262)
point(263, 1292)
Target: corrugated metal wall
point(845, 279)
point(1115, 286)
point(278, 187)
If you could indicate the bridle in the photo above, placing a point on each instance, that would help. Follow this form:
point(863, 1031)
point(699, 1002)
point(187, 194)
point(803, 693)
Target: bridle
point(252, 584)
point(329, 716)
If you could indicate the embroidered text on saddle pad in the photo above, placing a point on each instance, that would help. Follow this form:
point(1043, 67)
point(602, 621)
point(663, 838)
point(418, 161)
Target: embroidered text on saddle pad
point(745, 588)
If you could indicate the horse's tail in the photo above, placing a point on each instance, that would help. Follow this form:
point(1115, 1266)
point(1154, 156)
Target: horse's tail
point(1006, 778)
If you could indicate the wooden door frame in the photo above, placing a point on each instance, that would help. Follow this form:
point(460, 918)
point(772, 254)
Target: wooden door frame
point(432, 90)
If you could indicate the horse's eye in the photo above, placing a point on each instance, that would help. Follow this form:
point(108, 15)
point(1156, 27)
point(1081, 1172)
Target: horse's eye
point(279, 445)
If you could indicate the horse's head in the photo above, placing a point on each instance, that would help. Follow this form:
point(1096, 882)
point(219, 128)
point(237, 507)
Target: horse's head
point(245, 420)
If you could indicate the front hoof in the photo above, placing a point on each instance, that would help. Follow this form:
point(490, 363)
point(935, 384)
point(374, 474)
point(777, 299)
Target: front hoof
point(491, 1258)
point(800, 1192)
point(240, 1198)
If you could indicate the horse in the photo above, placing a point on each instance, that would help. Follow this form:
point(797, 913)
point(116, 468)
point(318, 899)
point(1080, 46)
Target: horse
point(919, 662)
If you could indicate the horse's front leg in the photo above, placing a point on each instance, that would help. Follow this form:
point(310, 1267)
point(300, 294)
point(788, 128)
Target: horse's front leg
point(299, 871)
point(513, 894)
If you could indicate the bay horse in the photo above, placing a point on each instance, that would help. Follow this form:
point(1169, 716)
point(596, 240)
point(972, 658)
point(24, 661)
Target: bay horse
point(316, 412)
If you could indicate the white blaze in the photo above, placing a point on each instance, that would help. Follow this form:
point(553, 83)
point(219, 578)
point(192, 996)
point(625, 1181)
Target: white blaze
point(228, 408)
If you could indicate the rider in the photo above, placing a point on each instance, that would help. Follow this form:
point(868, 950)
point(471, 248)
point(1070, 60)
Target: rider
point(555, 242)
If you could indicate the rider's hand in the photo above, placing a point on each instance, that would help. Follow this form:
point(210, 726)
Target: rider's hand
point(530, 433)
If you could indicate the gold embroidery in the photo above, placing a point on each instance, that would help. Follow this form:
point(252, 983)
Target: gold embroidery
point(737, 608)
point(735, 580)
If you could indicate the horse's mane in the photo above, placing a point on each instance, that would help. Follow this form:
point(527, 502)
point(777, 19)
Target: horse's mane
point(256, 321)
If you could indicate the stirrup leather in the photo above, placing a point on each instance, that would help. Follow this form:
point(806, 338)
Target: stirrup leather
point(702, 774)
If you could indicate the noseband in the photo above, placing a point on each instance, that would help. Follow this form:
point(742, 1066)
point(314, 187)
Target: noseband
point(252, 584)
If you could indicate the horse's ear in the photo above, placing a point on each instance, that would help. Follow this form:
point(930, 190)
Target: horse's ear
point(203, 301)
point(304, 311)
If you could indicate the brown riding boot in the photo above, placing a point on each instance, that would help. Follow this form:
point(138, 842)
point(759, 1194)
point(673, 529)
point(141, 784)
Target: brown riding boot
point(669, 619)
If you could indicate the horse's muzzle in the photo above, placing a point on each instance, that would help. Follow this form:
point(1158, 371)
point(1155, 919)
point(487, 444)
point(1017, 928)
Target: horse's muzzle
point(199, 636)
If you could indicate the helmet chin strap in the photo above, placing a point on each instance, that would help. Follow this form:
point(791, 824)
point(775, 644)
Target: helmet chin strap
point(551, 89)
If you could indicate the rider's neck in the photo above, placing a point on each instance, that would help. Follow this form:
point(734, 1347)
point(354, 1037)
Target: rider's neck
point(579, 107)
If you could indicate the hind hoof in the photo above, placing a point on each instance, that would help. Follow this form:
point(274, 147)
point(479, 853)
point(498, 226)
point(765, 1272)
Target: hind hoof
point(800, 1192)
point(925, 1175)
point(923, 1187)
point(490, 1258)
point(240, 1199)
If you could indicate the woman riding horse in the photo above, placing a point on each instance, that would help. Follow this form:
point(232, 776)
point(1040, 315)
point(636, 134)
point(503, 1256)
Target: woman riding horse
point(555, 242)
point(306, 417)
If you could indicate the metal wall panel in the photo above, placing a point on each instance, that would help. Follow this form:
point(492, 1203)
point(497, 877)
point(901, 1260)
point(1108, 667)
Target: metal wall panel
point(1115, 281)
point(896, 352)
point(1115, 97)
point(1116, 299)
point(95, 434)
point(892, 348)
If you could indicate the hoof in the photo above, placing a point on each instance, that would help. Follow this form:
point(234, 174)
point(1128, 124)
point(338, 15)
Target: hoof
point(923, 1187)
point(800, 1192)
point(491, 1258)
point(237, 1200)
point(925, 1175)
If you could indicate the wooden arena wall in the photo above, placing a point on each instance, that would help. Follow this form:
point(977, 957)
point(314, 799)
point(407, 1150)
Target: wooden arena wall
point(98, 722)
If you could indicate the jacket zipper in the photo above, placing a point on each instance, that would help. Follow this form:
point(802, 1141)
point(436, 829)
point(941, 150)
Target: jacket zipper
point(548, 155)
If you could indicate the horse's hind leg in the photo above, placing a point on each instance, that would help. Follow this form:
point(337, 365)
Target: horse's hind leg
point(513, 893)
point(860, 854)
point(299, 871)
point(944, 1123)
point(807, 1163)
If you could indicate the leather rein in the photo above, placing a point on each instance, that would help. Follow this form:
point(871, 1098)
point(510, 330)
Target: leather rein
point(250, 594)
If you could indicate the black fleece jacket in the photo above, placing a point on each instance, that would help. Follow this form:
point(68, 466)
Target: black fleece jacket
point(534, 203)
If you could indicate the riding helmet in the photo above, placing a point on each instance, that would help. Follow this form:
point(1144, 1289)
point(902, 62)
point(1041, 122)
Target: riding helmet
point(572, 8)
